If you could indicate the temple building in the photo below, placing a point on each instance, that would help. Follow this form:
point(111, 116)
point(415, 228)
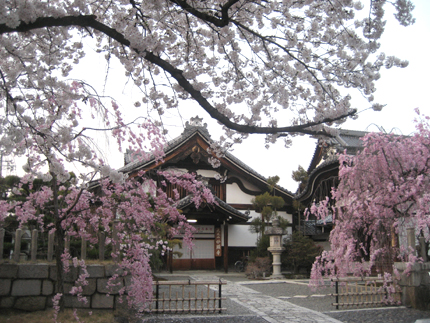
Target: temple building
point(223, 234)
point(323, 176)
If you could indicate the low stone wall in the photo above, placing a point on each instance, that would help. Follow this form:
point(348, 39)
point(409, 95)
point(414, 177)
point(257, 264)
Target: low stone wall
point(30, 287)
point(415, 285)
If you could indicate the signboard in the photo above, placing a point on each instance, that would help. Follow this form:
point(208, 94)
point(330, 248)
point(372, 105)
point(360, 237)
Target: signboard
point(218, 250)
point(200, 228)
point(202, 231)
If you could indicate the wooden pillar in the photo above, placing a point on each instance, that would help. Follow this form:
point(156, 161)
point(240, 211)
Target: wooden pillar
point(17, 248)
point(102, 239)
point(34, 245)
point(423, 249)
point(226, 247)
point(170, 260)
point(50, 246)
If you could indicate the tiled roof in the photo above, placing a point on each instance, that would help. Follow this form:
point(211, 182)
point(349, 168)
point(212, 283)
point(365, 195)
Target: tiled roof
point(348, 140)
point(191, 129)
point(239, 216)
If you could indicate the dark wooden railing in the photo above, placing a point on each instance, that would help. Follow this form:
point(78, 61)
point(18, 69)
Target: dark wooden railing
point(187, 296)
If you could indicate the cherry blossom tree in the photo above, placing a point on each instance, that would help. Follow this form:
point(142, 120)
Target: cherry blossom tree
point(247, 64)
point(271, 67)
point(383, 190)
point(48, 132)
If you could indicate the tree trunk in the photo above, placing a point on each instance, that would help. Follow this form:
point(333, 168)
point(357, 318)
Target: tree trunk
point(59, 249)
point(59, 243)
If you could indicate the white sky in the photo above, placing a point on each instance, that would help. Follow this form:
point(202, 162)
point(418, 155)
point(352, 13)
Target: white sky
point(402, 90)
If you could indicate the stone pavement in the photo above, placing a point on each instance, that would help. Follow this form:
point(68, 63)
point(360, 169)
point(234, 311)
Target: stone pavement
point(271, 309)
point(273, 301)
point(268, 308)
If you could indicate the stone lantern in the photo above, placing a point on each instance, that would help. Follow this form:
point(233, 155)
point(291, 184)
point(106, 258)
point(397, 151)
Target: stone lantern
point(275, 233)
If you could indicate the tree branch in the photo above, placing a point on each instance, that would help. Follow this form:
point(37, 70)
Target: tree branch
point(219, 22)
point(90, 21)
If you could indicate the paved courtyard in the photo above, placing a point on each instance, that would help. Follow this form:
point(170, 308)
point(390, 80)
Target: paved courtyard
point(281, 301)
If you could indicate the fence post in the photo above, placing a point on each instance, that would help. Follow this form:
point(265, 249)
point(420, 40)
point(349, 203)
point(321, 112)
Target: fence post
point(50, 246)
point(17, 249)
point(34, 245)
point(157, 292)
point(102, 238)
point(219, 295)
point(1, 243)
point(423, 249)
point(410, 236)
point(337, 295)
point(83, 249)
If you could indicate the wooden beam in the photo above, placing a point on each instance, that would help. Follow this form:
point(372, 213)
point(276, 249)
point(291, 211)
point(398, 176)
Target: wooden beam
point(226, 247)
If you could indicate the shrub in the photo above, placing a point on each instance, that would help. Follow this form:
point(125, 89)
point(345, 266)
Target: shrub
point(263, 243)
point(300, 252)
point(258, 267)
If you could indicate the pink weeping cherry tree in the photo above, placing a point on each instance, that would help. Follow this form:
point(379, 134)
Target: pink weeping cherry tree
point(277, 68)
point(48, 132)
point(383, 190)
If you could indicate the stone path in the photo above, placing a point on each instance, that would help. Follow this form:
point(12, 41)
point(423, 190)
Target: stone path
point(269, 308)
point(280, 301)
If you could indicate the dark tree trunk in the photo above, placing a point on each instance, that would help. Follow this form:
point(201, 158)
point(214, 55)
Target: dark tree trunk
point(59, 243)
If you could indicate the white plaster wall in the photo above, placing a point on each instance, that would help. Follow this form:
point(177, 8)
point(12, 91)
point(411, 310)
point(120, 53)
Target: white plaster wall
point(206, 173)
point(239, 236)
point(235, 195)
point(254, 215)
point(248, 185)
point(287, 216)
point(283, 214)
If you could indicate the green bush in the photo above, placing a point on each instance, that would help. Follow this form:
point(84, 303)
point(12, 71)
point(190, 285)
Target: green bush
point(300, 252)
point(263, 242)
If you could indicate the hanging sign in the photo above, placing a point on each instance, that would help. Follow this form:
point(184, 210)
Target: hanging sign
point(218, 250)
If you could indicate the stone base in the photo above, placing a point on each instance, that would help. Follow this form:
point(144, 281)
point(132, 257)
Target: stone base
point(279, 276)
point(415, 285)
point(417, 297)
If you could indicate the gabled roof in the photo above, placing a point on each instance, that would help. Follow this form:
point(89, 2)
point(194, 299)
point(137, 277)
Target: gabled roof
point(197, 134)
point(232, 215)
point(345, 139)
point(325, 164)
